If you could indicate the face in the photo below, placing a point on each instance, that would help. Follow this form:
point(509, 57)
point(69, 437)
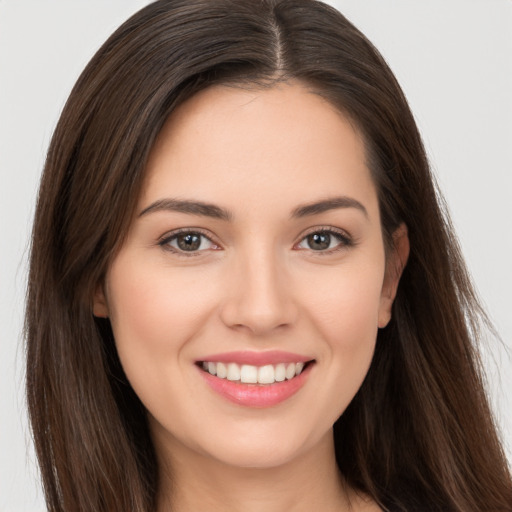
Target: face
point(246, 299)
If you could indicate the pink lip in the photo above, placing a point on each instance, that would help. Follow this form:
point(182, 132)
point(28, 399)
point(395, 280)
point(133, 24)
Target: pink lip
point(256, 358)
point(256, 395)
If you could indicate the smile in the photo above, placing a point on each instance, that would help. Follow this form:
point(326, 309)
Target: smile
point(255, 380)
point(251, 374)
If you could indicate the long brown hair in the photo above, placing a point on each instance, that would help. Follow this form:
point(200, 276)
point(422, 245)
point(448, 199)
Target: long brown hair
point(419, 434)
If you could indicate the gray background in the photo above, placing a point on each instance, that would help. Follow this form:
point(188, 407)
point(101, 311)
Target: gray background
point(452, 57)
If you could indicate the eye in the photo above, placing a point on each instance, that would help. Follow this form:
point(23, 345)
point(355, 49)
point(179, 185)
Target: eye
point(325, 240)
point(187, 242)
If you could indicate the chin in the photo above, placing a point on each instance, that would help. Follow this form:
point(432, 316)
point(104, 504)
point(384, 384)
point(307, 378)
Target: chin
point(264, 450)
point(256, 457)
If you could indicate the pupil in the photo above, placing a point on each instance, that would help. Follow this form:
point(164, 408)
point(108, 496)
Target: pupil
point(319, 241)
point(189, 242)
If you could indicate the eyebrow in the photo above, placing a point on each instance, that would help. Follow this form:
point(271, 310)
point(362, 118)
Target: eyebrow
point(325, 205)
point(187, 206)
point(216, 212)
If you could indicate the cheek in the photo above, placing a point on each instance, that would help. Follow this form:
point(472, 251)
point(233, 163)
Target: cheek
point(151, 304)
point(345, 313)
point(345, 305)
point(153, 314)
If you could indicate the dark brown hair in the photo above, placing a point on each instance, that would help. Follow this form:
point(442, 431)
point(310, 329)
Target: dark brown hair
point(419, 434)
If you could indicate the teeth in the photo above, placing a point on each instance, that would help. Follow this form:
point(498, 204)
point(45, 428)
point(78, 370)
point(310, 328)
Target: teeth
point(212, 368)
point(280, 372)
point(222, 370)
point(266, 374)
point(233, 371)
point(290, 371)
point(249, 374)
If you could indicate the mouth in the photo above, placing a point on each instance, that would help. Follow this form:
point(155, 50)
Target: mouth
point(256, 386)
point(251, 374)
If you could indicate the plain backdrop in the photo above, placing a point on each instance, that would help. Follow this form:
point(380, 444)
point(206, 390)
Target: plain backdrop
point(453, 59)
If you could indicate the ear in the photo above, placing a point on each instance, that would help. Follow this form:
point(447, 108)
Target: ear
point(395, 264)
point(100, 306)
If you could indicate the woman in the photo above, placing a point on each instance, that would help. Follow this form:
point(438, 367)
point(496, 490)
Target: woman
point(242, 283)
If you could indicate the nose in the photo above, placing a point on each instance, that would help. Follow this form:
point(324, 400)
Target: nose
point(259, 298)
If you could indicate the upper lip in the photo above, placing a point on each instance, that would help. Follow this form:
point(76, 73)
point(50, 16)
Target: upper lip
point(256, 358)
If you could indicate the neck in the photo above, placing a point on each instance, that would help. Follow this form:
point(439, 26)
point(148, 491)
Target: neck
point(190, 482)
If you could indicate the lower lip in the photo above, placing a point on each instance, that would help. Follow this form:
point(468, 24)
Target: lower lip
point(256, 395)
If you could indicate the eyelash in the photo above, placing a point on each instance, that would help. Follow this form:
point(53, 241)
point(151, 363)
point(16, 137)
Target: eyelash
point(344, 239)
point(168, 238)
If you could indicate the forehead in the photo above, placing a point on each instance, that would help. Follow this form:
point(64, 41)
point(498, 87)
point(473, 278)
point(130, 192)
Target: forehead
point(229, 143)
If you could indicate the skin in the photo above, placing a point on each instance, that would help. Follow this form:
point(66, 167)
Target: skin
point(254, 284)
